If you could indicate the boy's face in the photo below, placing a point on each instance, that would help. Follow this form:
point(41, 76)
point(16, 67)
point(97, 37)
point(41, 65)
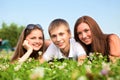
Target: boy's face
point(60, 37)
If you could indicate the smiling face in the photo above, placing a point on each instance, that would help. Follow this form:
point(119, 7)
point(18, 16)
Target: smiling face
point(84, 33)
point(35, 39)
point(60, 37)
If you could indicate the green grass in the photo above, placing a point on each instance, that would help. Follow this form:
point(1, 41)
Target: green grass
point(98, 69)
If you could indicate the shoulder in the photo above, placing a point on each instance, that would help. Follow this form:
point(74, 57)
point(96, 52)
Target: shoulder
point(77, 48)
point(75, 44)
point(50, 52)
point(113, 37)
point(51, 48)
point(114, 41)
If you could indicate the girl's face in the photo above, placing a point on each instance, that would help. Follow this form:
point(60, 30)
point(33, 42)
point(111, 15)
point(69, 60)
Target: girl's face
point(84, 33)
point(35, 39)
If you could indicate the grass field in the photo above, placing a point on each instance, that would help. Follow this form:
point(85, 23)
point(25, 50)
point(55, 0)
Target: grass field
point(96, 69)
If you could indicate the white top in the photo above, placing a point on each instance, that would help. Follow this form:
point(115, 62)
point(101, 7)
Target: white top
point(54, 52)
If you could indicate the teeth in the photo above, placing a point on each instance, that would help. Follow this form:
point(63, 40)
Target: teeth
point(36, 45)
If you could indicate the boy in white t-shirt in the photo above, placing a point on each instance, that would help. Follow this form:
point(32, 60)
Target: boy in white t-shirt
point(63, 45)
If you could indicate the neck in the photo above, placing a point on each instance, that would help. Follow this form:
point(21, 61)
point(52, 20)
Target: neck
point(65, 51)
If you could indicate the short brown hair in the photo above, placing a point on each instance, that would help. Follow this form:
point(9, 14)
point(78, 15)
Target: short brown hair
point(56, 23)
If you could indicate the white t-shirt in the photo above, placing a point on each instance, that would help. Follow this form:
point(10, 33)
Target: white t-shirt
point(54, 52)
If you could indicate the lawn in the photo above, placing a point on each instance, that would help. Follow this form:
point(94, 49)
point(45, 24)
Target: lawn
point(96, 68)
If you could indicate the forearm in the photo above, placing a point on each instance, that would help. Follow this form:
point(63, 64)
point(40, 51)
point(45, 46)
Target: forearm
point(41, 60)
point(25, 56)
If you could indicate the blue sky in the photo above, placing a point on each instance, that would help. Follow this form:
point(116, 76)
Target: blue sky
point(23, 12)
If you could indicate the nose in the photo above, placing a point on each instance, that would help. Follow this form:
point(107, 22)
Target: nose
point(58, 38)
point(84, 35)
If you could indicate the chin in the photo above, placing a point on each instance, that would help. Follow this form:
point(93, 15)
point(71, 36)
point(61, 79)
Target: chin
point(36, 49)
point(59, 46)
point(88, 43)
point(62, 48)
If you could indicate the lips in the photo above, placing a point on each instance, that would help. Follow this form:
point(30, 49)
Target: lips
point(86, 40)
point(37, 45)
point(59, 44)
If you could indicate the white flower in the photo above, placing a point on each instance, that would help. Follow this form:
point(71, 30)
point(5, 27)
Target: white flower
point(79, 63)
point(37, 73)
point(3, 67)
point(62, 66)
point(17, 67)
point(106, 66)
point(82, 78)
point(30, 59)
point(88, 68)
point(17, 79)
point(40, 52)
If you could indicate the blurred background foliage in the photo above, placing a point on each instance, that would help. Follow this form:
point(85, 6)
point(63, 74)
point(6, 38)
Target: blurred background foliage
point(10, 32)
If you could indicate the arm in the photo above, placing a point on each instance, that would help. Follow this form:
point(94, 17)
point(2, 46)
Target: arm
point(25, 56)
point(28, 53)
point(114, 45)
point(114, 48)
point(49, 53)
point(80, 52)
point(42, 60)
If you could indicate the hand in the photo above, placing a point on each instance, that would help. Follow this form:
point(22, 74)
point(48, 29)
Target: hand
point(81, 59)
point(26, 45)
point(113, 59)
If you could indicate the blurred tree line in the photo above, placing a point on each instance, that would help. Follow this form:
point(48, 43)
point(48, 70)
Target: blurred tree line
point(11, 33)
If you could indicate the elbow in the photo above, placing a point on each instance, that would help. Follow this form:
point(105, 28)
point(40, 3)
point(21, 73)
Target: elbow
point(116, 54)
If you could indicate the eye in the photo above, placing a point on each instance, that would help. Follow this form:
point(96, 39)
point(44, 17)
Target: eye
point(86, 30)
point(61, 34)
point(32, 37)
point(78, 33)
point(40, 38)
point(53, 36)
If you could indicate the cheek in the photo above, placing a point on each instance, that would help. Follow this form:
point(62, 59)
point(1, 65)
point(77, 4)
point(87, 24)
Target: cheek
point(28, 39)
point(30, 42)
point(80, 37)
point(69, 35)
point(41, 42)
point(53, 40)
